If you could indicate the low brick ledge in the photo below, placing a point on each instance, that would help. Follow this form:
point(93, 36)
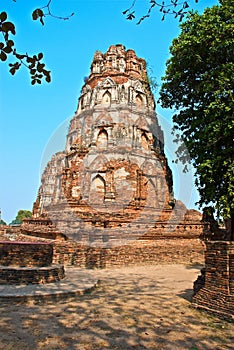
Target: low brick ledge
point(10, 275)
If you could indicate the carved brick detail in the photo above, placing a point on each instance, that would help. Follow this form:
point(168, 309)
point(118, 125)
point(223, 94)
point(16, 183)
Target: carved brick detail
point(113, 179)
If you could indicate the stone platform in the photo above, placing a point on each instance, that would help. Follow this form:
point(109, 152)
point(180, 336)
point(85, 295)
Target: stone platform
point(77, 282)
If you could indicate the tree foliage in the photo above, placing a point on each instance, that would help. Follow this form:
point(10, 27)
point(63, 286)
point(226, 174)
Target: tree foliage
point(2, 222)
point(20, 216)
point(198, 85)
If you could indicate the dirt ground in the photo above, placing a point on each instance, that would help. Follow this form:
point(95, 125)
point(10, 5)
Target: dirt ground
point(133, 308)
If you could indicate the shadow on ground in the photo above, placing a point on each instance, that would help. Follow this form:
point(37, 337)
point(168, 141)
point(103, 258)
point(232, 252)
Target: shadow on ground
point(133, 308)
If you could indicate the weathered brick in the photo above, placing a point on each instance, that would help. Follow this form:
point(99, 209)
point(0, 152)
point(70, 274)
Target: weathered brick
point(216, 292)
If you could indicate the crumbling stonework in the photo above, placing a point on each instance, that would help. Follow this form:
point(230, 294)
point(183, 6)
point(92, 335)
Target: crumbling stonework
point(216, 292)
point(112, 184)
point(28, 263)
point(25, 254)
point(32, 275)
point(140, 252)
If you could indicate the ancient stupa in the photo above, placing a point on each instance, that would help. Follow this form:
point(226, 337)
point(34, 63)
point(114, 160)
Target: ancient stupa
point(112, 184)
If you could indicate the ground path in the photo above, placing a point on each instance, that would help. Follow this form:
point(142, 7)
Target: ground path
point(133, 308)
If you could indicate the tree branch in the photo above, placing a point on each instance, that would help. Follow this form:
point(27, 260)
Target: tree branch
point(32, 63)
point(39, 13)
point(176, 8)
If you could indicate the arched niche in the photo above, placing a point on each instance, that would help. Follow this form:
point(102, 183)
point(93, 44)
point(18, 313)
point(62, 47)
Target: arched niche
point(139, 101)
point(102, 138)
point(106, 99)
point(98, 188)
point(152, 199)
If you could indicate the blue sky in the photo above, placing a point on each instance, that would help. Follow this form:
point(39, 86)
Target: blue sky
point(34, 119)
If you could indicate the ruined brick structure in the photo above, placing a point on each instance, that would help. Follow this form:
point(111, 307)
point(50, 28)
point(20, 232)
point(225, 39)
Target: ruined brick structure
point(28, 263)
point(112, 184)
point(214, 289)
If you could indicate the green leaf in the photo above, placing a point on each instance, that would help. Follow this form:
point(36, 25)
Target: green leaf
point(40, 67)
point(14, 67)
point(7, 49)
point(3, 56)
point(10, 43)
point(40, 12)
point(3, 16)
point(12, 70)
point(8, 27)
point(31, 60)
point(40, 56)
point(19, 56)
point(35, 15)
point(48, 79)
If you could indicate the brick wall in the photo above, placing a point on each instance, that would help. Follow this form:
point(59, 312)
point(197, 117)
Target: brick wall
point(162, 251)
point(28, 263)
point(33, 275)
point(217, 293)
point(25, 254)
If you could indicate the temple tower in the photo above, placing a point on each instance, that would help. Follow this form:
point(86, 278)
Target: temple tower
point(112, 181)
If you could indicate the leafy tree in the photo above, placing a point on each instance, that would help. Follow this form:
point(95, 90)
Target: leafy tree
point(20, 216)
point(198, 84)
point(2, 222)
